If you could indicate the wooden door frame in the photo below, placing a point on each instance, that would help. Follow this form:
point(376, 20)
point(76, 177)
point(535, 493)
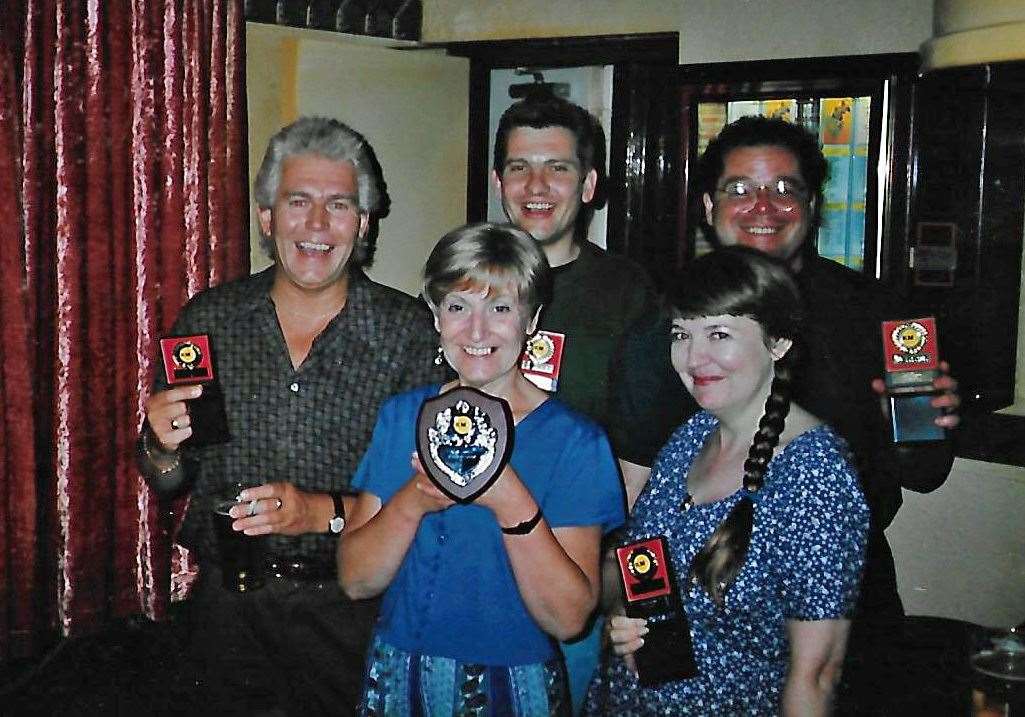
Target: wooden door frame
point(638, 111)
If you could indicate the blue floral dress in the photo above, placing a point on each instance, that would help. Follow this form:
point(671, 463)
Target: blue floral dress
point(804, 563)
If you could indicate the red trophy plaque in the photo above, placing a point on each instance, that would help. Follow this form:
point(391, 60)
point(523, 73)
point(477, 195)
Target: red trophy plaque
point(189, 360)
point(666, 654)
point(911, 351)
point(541, 361)
point(464, 439)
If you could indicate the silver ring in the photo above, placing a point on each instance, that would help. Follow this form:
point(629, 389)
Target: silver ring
point(277, 504)
point(252, 507)
point(174, 424)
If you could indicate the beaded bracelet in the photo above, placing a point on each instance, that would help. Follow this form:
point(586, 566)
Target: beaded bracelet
point(526, 526)
point(150, 451)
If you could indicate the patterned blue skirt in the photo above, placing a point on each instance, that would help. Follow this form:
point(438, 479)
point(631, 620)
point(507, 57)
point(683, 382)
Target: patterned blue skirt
point(406, 684)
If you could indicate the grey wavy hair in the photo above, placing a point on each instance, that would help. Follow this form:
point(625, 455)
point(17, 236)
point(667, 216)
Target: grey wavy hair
point(323, 137)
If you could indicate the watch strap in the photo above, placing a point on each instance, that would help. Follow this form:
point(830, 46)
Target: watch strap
point(337, 522)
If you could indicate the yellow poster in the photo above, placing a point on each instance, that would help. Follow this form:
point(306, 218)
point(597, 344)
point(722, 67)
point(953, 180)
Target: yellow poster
point(780, 109)
point(835, 120)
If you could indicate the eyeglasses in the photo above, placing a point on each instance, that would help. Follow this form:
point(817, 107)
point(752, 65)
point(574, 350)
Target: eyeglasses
point(782, 192)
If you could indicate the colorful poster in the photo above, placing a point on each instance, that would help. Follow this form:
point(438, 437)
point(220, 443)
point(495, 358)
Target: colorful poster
point(836, 189)
point(835, 120)
point(855, 238)
point(780, 109)
point(832, 242)
point(859, 178)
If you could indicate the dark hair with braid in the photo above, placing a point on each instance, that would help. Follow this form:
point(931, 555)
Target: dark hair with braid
point(739, 281)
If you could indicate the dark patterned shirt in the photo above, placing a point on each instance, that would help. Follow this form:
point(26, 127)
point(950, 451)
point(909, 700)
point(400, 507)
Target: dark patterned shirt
point(308, 426)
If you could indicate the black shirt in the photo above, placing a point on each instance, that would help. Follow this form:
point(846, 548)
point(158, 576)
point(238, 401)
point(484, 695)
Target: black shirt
point(841, 352)
point(594, 299)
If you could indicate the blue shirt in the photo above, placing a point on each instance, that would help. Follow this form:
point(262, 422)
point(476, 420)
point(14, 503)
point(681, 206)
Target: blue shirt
point(803, 563)
point(455, 594)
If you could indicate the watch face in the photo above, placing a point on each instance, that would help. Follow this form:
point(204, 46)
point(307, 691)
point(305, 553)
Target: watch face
point(337, 524)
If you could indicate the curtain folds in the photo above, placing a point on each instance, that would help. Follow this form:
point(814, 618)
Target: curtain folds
point(122, 193)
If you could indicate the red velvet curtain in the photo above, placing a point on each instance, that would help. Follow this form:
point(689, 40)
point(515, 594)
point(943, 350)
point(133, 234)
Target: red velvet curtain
point(122, 193)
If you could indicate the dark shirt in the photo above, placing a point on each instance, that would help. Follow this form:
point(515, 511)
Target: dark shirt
point(648, 399)
point(841, 352)
point(594, 299)
point(308, 426)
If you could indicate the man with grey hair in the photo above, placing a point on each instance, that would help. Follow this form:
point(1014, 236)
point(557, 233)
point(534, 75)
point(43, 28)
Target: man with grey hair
point(306, 351)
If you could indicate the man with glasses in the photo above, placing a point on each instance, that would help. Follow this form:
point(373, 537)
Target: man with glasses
point(760, 185)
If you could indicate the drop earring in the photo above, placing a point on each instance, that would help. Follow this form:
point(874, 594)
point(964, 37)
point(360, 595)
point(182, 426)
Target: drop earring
point(440, 357)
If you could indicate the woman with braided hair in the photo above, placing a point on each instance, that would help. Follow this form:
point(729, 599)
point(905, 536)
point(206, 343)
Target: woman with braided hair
point(766, 535)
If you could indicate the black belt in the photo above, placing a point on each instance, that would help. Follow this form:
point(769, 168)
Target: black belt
point(301, 569)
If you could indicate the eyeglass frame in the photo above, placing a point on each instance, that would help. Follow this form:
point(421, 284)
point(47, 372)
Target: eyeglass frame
point(800, 193)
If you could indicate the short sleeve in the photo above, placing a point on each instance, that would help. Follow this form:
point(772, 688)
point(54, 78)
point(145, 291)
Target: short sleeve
point(823, 529)
point(587, 489)
point(385, 466)
point(646, 509)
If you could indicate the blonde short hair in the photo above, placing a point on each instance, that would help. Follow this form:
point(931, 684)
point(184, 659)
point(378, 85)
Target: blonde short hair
point(488, 255)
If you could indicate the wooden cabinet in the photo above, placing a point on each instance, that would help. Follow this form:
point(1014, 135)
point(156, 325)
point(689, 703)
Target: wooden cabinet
point(968, 170)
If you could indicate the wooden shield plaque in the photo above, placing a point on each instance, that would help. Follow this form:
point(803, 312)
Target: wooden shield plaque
point(464, 438)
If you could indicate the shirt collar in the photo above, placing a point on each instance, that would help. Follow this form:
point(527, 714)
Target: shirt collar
point(358, 318)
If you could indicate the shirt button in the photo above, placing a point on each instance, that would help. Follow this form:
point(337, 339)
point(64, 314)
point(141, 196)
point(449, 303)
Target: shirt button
point(430, 594)
point(294, 387)
point(442, 538)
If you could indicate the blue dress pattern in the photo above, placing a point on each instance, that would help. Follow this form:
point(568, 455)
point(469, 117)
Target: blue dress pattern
point(804, 563)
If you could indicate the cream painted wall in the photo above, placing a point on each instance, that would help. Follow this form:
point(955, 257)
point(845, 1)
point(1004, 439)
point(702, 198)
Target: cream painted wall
point(447, 20)
point(710, 30)
point(960, 550)
point(960, 15)
point(411, 107)
point(733, 30)
point(973, 32)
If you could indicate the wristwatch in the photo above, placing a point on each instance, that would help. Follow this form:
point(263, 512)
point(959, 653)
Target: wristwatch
point(337, 524)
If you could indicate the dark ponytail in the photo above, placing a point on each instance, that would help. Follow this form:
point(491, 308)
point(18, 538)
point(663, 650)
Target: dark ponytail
point(739, 281)
point(717, 563)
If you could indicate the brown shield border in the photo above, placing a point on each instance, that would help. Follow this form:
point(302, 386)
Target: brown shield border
point(497, 409)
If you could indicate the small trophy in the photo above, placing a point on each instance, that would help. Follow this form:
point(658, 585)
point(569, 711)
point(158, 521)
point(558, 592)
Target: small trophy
point(189, 360)
point(464, 439)
point(666, 654)
point(911, 350)
point(541, 361)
